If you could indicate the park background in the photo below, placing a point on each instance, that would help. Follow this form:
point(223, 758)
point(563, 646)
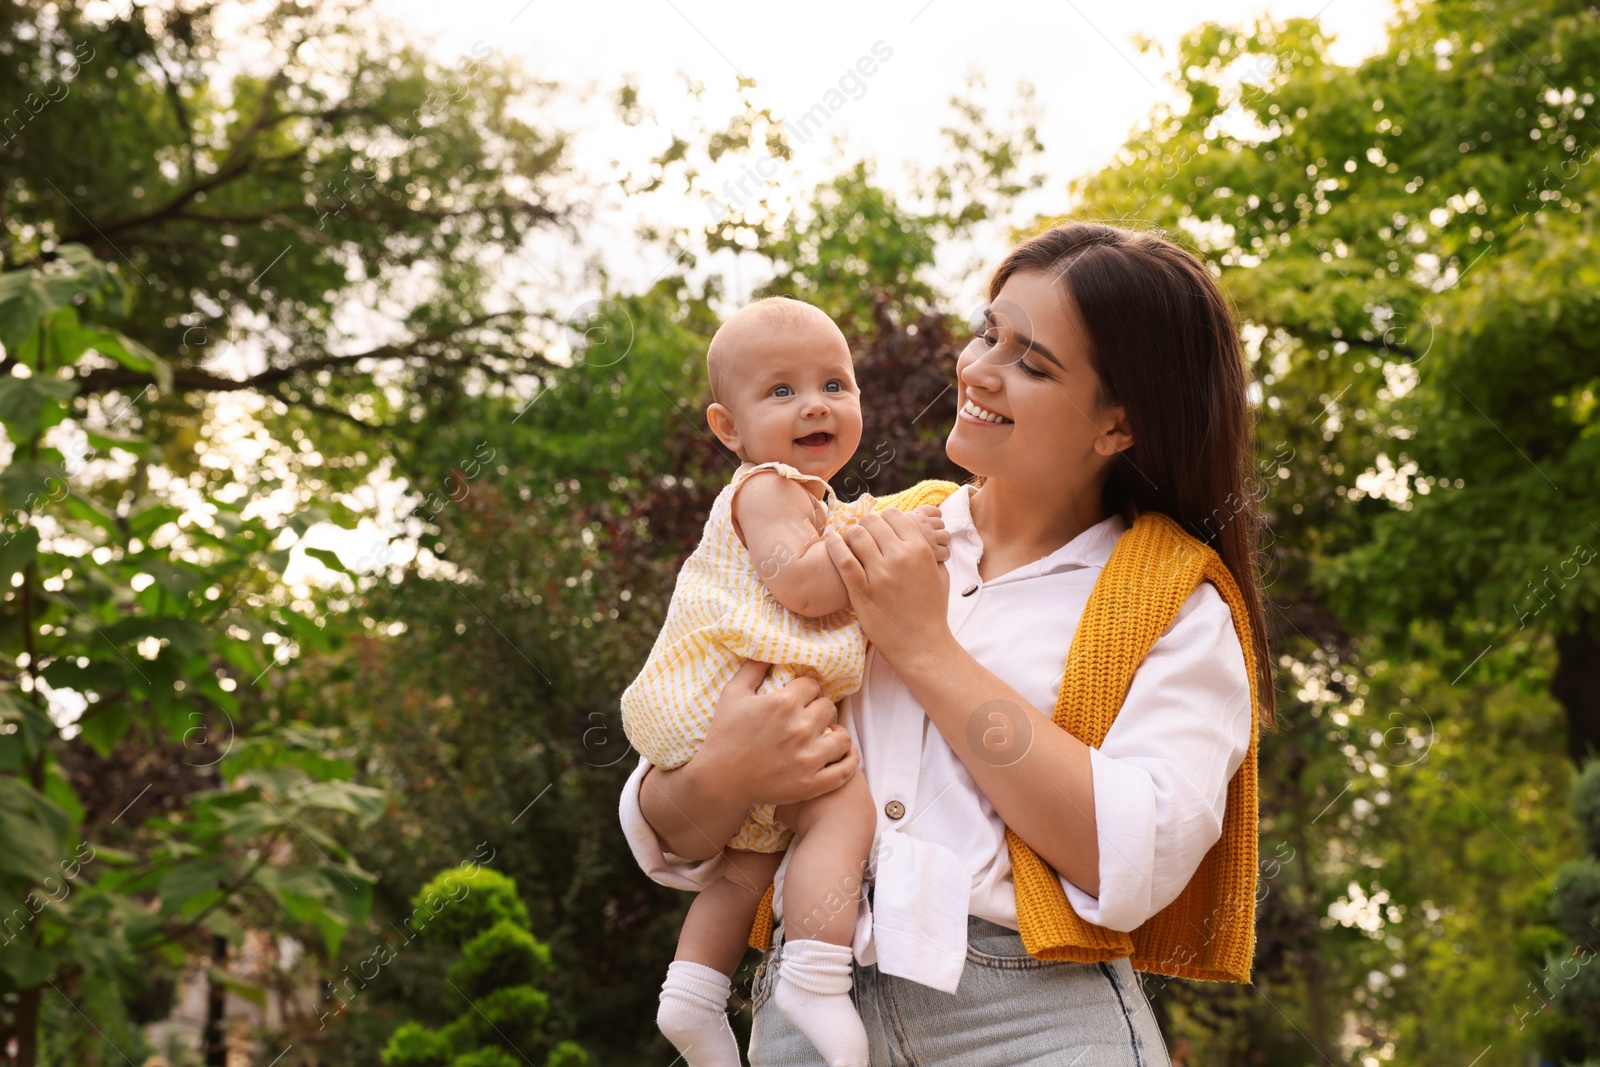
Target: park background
point(352, 392)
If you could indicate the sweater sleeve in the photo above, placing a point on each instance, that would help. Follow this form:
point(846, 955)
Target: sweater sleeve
point(1161, 776)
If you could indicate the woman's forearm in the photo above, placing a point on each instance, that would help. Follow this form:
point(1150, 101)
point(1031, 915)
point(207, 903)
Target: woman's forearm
point(777, 747)
point(1035, 774)
point(692, 816)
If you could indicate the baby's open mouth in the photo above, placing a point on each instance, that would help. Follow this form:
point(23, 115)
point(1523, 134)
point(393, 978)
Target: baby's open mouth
point(815, 441)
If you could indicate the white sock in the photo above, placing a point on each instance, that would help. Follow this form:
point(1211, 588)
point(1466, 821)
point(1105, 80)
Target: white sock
point(694, 1015)
point(813, 992)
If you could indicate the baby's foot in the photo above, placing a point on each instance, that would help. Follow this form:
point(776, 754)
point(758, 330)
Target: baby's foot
point(694, 1016)
point(813, 992)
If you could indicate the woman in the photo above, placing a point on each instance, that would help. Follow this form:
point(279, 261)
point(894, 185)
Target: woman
point(1022, 869)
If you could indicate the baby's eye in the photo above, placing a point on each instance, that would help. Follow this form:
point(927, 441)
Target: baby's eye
point(782, 391)
point(834, 386)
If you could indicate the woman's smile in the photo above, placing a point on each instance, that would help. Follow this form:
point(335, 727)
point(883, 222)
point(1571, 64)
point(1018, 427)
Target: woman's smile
point(972, 411)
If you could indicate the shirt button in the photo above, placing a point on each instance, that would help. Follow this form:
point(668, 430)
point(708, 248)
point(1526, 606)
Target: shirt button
point(969, 590)
point(894, 809)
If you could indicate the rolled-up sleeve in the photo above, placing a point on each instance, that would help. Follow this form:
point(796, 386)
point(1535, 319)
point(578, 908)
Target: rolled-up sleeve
point(657, 864)
point(1161, 776)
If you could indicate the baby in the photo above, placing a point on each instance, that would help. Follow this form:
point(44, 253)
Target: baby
point(760, 586)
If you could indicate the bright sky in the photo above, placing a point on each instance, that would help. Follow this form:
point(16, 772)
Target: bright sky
point(1093, 85)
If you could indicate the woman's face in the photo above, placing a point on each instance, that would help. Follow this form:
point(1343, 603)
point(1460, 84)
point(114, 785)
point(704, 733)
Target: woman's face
point(1026, 393)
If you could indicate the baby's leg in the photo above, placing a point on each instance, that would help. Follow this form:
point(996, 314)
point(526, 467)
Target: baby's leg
point(821, 893)
point(717, 929)
point(833, 834)
point(694, 998)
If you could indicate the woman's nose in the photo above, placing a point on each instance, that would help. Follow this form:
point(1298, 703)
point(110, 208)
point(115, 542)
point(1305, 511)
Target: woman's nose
point(979, 372)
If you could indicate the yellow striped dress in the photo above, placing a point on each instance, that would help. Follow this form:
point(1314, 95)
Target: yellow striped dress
point(722, 615)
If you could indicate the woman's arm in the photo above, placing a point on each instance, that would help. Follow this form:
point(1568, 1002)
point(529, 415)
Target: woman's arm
point(1037, 777)
point(768, 748)
point(1152, 796)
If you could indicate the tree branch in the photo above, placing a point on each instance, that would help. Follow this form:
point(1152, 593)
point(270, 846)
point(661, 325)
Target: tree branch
point(105, 379)
point(323, 409)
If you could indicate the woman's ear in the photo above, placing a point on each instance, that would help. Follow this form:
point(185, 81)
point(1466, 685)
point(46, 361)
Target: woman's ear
point(721, 420)
point(1115, 434)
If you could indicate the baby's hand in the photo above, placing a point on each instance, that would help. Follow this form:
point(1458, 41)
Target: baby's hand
point(931, 523)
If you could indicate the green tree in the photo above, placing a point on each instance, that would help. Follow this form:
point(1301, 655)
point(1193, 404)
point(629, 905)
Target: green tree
point(147, 615)
point(253, 207)
point(143, 575)
point(1405, 243)
point(1411, 234)
point(1568, 978)
point(476, 914)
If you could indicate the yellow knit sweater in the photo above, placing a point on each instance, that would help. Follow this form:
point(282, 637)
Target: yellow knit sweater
point(1208, 932)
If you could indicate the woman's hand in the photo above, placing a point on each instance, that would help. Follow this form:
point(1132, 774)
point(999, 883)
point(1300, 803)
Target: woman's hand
point(768, 748)
point(898, 588)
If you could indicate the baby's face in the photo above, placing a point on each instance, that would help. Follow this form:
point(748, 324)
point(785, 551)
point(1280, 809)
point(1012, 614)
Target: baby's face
point(793, 399)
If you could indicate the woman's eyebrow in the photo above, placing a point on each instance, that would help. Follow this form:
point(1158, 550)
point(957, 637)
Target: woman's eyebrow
point(1027, 342)
point(1034, 346)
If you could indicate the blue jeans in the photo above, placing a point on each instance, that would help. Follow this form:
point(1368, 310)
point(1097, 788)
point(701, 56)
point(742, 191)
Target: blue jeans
point(1009, 1009)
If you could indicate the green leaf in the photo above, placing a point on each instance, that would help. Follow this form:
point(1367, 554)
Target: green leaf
point(101, 674)
point(179, 580)
point(328, 558)
point(30, 485)
point(23, 402)
point(254, 993)
point(146, 520)
point(189, 880)
point(27, 296)
point(130, 353)
point(104, 724)
point(105, 440)
point(58, 791)
point(16, 552)
point(302, 521)
point(362, 801)
point(186, 637)
point(23, 302)
point(29, 841)
point(27, 966)
point(82, 507)
point(34, 725)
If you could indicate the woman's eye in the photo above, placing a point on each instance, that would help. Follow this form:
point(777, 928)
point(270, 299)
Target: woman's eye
point(782, 390)
point(1031, 372)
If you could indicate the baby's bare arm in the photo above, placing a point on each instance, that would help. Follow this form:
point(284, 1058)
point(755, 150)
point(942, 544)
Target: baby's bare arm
point(776, 516)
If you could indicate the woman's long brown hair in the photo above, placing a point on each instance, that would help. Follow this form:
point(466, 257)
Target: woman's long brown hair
point(1165, 346)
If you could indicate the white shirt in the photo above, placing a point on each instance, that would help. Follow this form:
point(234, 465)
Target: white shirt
point(1160, 777)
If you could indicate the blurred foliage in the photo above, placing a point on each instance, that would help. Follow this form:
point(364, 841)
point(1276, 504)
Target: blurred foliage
point(147, 614)
point(1409, 246)
point(1567, 979)
point(1407, 242)
point(479, 919)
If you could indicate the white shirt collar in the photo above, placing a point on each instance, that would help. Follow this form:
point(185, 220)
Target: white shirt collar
point(1091, 548)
